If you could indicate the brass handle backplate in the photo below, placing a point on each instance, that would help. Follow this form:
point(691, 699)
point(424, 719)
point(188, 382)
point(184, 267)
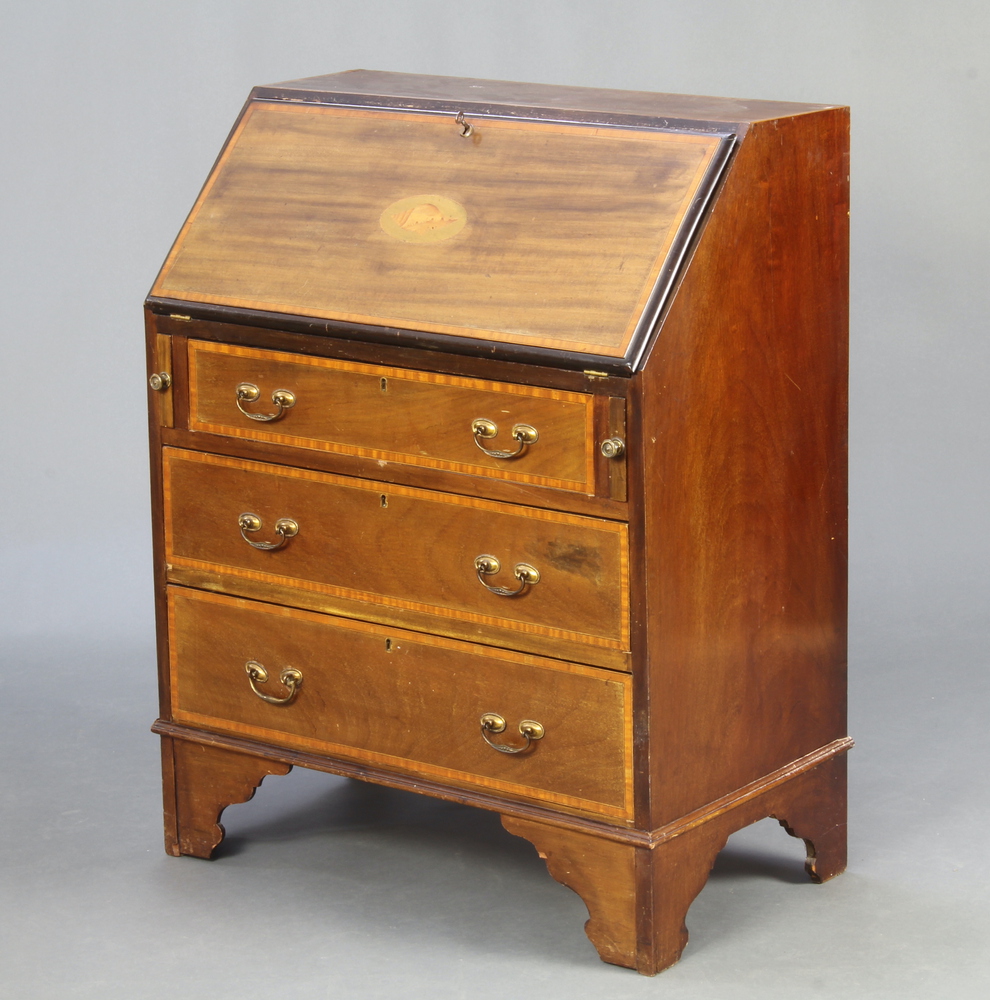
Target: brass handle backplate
point(530, 730)
point(484, 430)
point(528, 576)
point(289, 676)
point(285, 528)
point(248, 392)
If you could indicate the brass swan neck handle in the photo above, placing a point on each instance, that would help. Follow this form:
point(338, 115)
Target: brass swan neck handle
point(528, 576)
point(285, 528)
point(290, 677)
point(484, 430)
point(493, 723)
point(248, 392)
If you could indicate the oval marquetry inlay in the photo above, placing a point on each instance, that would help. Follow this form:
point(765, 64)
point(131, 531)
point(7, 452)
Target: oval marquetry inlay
point(424, 218)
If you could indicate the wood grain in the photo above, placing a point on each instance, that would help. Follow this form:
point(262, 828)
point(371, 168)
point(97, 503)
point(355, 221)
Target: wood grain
point(741, 431)
point(435, 691)
point(638, 897)
point(567, 231)
point(602, 872)
point(392, 414)
point(199, 783)
point(398, 546)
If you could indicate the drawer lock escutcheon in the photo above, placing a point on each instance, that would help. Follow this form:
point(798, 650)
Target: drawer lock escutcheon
point(290, 677)
point(485, 430)
point(530, 730)
point(528, 576)
point(285, 528)
point(248, 392)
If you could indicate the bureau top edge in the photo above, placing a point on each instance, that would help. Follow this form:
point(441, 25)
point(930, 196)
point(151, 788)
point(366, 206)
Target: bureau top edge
point(534, 99)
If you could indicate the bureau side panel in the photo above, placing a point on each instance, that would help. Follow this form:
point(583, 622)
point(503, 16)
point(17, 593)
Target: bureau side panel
point(743, 451)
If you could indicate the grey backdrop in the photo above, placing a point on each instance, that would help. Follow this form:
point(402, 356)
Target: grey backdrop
point(112, 114)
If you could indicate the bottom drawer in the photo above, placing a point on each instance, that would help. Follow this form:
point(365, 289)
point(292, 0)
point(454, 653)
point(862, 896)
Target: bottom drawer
point(403, 700)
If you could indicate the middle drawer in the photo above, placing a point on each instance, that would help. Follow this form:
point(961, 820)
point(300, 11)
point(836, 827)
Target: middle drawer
point(457, 558)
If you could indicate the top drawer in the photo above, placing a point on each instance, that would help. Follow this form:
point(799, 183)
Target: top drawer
point(394, 414)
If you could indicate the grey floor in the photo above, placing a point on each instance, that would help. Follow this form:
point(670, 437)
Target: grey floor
point(333, 888)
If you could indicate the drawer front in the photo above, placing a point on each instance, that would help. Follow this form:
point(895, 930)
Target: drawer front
point(399, 547)
point(403, 701)
point(394, 414)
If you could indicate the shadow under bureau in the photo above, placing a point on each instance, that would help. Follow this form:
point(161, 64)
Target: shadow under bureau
point(498, 438)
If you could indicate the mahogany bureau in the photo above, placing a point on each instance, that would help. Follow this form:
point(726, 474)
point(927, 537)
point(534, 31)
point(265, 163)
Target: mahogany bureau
point(498, 438)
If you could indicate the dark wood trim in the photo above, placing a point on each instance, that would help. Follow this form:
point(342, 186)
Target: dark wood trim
point(177, 318)
point(500, 804)
point(155, 431)
point(639, 567)
point(391, 337)
point(483, 109)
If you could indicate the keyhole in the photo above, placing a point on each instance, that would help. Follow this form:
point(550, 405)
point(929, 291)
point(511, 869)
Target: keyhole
point(388, 645)
point(384, 500)
point(384, 384)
